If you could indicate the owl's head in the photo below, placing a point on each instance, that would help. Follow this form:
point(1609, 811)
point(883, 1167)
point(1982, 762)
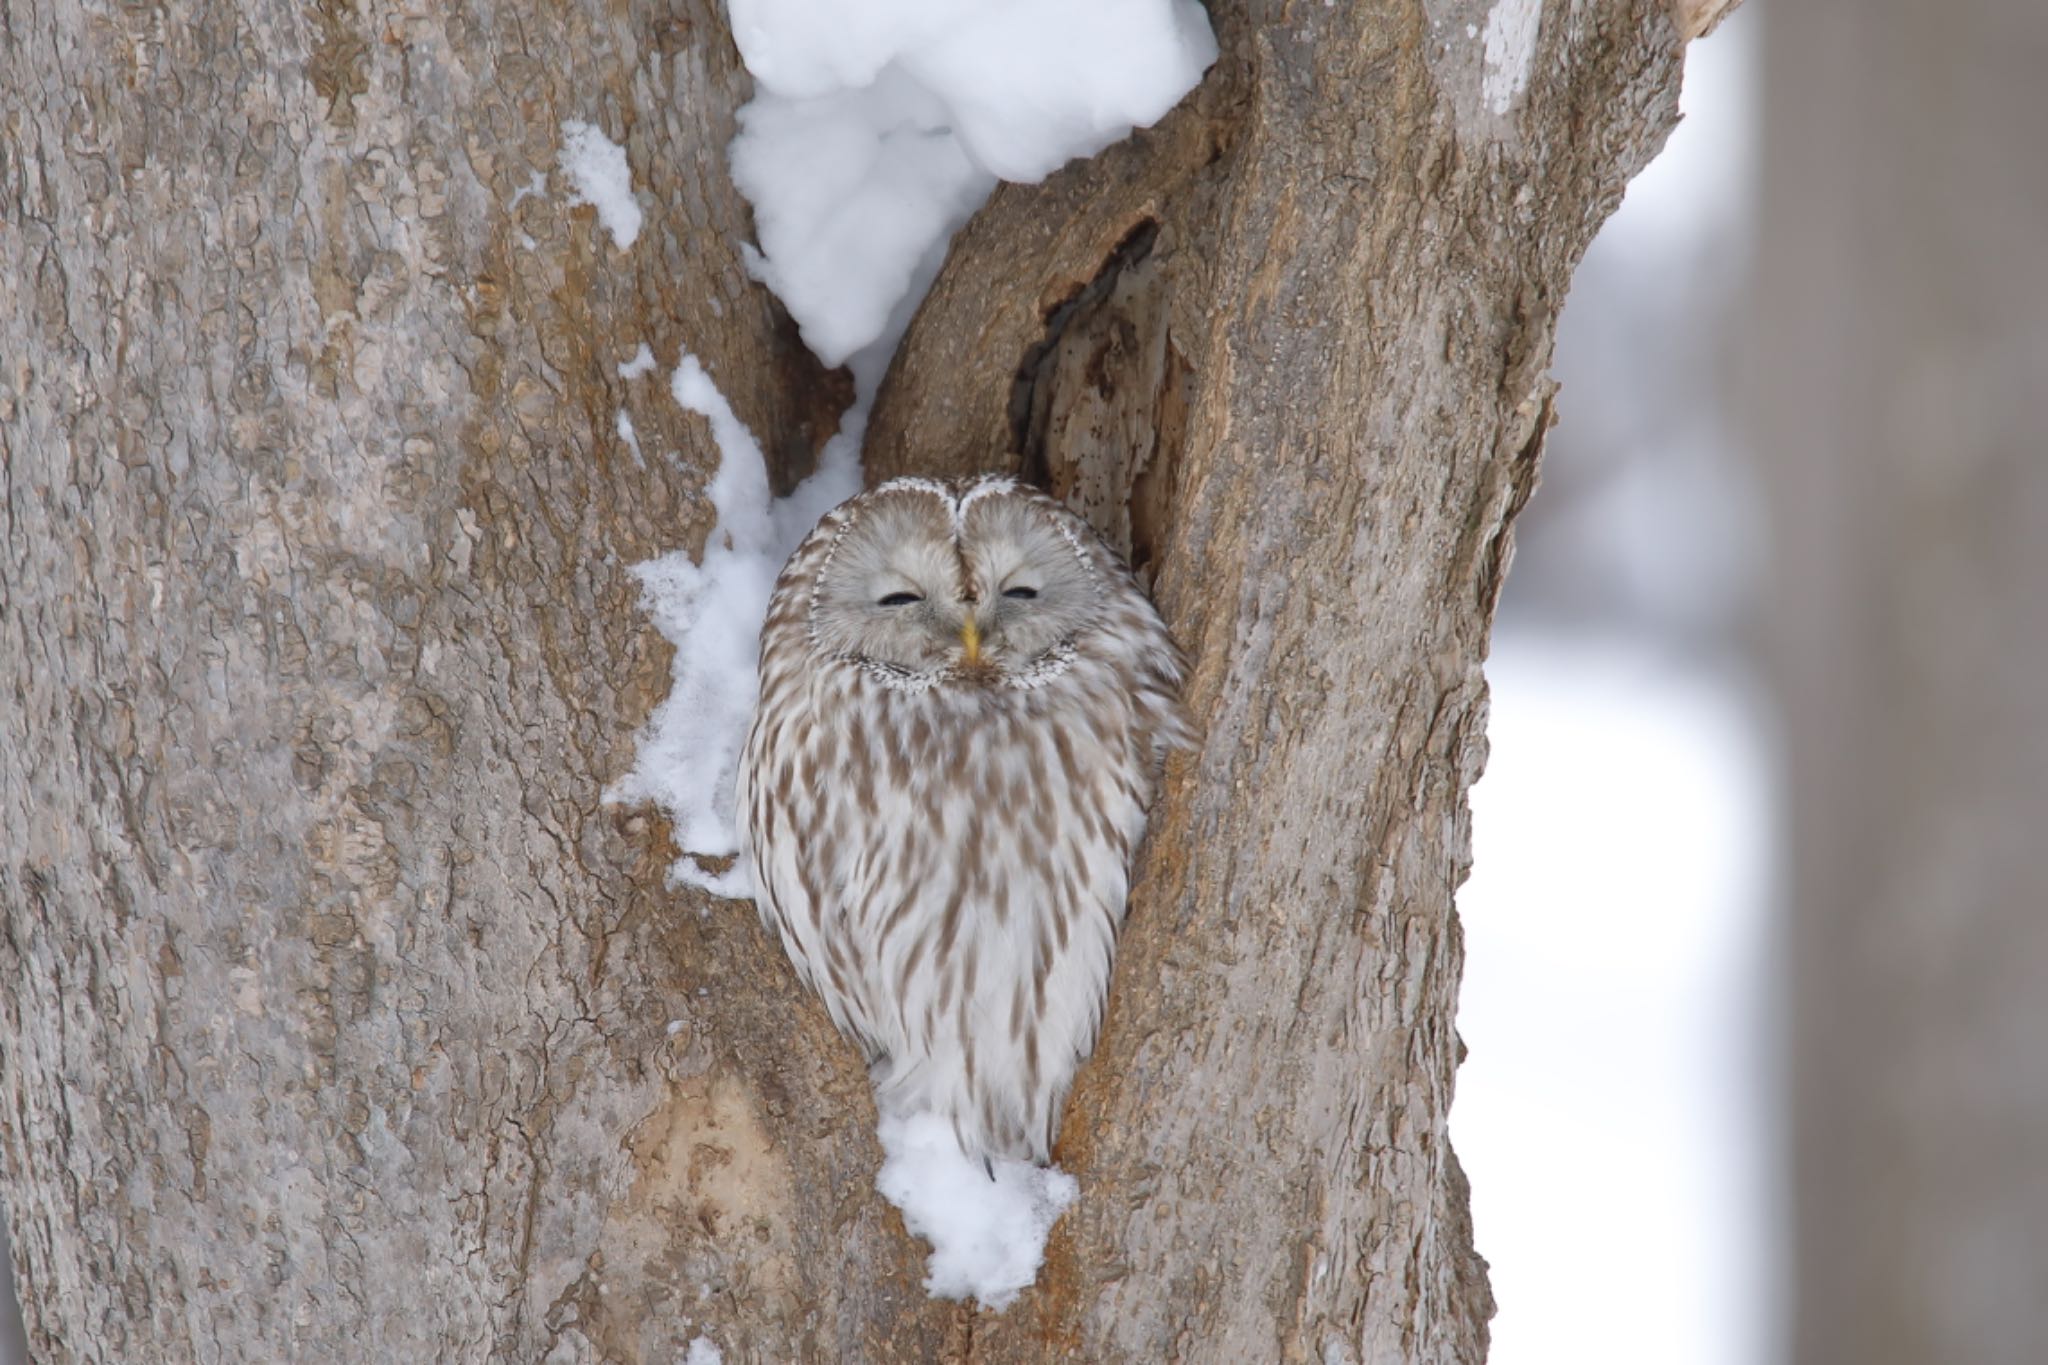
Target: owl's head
point(980, 581)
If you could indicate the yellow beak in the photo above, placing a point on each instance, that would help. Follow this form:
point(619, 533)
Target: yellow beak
point(970, 640)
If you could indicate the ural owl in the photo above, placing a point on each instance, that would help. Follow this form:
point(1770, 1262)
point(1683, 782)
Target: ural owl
point(965, 702)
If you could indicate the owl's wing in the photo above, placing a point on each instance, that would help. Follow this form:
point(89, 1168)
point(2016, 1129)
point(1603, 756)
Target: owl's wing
point(787, 818)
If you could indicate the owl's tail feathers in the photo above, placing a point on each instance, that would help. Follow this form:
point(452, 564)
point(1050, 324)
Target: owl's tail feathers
point(987, 1122)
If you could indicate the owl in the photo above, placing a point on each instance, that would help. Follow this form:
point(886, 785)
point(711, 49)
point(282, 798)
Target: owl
point(965, 704)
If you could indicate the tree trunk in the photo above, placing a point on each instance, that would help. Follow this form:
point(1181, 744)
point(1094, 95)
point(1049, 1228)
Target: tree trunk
point(353, 1025)
point(1902, 344)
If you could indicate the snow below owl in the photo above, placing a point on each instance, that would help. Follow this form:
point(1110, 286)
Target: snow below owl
point(965, 701)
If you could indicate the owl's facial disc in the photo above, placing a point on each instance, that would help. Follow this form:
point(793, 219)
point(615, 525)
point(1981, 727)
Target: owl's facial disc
point(978, 600)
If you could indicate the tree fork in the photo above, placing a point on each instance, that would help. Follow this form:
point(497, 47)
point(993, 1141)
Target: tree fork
point(351, 1022)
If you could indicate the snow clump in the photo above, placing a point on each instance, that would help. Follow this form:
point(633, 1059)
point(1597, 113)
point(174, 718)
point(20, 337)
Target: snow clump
point(987, 1224)
point(878, 128)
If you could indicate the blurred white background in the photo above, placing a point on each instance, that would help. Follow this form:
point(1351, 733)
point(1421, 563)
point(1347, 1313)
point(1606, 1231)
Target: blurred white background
point(1613, 1114)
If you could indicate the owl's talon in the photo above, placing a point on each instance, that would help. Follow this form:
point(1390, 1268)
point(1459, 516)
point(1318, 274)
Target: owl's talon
point(989, 1165)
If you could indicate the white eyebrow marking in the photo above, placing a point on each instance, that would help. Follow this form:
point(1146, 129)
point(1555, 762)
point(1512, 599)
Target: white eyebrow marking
point(913, 484)
point(985, 488)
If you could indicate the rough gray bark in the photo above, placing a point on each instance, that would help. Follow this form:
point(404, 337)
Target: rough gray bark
point(1902, 343)
point(344, 1029)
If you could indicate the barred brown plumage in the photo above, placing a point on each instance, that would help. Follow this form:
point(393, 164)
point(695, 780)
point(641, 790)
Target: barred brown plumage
point(965, 703)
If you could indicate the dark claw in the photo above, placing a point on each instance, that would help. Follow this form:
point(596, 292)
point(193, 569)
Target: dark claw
point(988, 1164)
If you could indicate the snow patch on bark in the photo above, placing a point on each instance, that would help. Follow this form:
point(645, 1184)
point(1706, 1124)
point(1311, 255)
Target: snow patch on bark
point(596, 167)
point(689, 751)
point(987, 1224)
point(1511, 30)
